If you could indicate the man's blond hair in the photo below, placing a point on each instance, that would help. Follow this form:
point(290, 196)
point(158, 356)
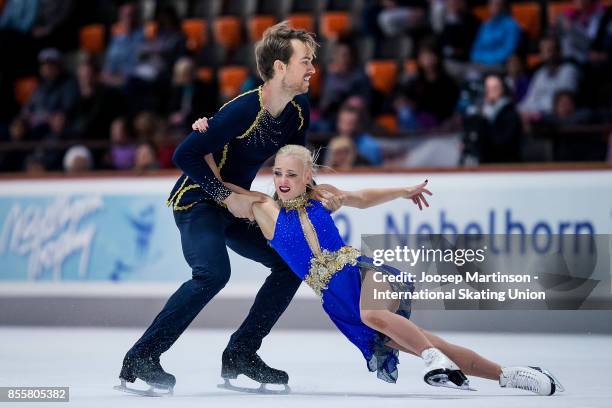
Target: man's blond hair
point(276, 45)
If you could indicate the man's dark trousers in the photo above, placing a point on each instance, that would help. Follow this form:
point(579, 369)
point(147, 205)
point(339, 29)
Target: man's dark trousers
point(205, 231)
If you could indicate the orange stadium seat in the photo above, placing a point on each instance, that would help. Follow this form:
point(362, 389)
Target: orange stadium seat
point(91, 38)
point(227, 32)
point(231, 79)
point(204, 74)
point(195, 30)
point(528, 17)
point(382, 74)
point(258, 24)
point(302, 21)
point(555, 9)
point(335, 23)
point(482, 12)
point(24, 88)
point(526, 14)
point(533, 60)
point(388, 122)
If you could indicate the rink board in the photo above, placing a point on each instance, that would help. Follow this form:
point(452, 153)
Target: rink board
point(85, 241)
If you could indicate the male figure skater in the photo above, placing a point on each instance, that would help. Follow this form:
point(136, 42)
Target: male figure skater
point(241, 136)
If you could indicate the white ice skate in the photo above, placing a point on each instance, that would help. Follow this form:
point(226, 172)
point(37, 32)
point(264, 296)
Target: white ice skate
point(534, 379)
point(440, 371)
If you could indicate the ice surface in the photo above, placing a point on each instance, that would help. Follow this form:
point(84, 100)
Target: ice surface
point(325, 370)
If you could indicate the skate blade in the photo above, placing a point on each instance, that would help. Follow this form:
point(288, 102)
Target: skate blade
point(558, 385)
point(441, 380)
point(260, 390)
point(143, 393)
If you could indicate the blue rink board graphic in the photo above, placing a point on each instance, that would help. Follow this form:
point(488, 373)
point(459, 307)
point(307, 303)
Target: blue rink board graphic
point(89, 238)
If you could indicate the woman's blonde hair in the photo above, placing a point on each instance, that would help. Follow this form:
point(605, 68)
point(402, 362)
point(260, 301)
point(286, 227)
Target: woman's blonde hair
point(306, 156)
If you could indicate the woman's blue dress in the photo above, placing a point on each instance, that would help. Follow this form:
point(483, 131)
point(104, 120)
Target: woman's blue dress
point(335, 276)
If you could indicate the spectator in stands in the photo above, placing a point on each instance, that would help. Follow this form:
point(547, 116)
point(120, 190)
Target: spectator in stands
point(34, 163)
point(497, 38)
point(77, 159)
point(459, 30)
point(123, 50)
point(145, 158)
point(190, 98)
point(53, 99)
point(517, 77)
point(349, 123)
point(431, 94)
point(586, 32)
point(122, 151)
point(146, 125)
point(97, 103)
point(18, 15)
point(342, 154)
point(553, 76)
point(343, 77)
point(571, 141)
point(399, 16)
point(497, 126)
point(158, 54)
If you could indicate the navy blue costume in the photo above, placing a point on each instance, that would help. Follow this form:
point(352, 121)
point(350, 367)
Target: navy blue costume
point(242, 135)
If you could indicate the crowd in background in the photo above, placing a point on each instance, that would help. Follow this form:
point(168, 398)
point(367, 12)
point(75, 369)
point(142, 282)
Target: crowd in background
point(505, 94)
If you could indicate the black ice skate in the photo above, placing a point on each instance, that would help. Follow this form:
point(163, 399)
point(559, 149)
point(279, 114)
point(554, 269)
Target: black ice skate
point(251, 365)
point(440, 371)
point(149, 370)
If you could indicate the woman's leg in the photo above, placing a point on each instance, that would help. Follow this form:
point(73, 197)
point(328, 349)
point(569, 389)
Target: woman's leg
point(470, 362)
point(380, 315)
point(408, 337)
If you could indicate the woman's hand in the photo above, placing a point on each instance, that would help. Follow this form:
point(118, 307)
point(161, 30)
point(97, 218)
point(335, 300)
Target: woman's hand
point(417, 194)
point(200, 125)
point(331, 197)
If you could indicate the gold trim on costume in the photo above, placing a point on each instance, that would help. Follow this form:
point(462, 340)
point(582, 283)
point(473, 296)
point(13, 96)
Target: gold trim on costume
point(325, 265)
point(178, 199)
point(299, 109)
point(223, 156)
point(242, 94)
point(260, 114)
point(170, 201)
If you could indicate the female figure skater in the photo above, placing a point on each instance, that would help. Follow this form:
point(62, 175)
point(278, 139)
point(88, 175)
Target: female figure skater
point(302, 231)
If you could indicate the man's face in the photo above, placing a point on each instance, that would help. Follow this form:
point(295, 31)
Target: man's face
point(49, 70)
point(548, 49)
point(299, 70)
point(347, 122)
point(494, 89)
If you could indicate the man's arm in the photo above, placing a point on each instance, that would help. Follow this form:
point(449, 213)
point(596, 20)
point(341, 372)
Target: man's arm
point(228, 123)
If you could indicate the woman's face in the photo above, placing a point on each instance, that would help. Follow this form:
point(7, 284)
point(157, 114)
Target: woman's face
point(290, 176)
point(494, 89)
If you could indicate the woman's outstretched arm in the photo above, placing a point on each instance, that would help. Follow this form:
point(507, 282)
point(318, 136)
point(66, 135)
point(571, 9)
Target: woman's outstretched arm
point(374, 196)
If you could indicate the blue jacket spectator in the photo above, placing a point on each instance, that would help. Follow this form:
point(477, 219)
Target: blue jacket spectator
point(497, 38)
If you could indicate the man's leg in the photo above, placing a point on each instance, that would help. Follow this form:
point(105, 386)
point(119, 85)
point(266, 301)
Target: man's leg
point(203, 243)
point(272, 298)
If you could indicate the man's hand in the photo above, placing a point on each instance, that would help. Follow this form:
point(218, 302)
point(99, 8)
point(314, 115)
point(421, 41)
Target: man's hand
point(240, 205)
point(200, 125)
point(331, 197)
point(416, 194)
